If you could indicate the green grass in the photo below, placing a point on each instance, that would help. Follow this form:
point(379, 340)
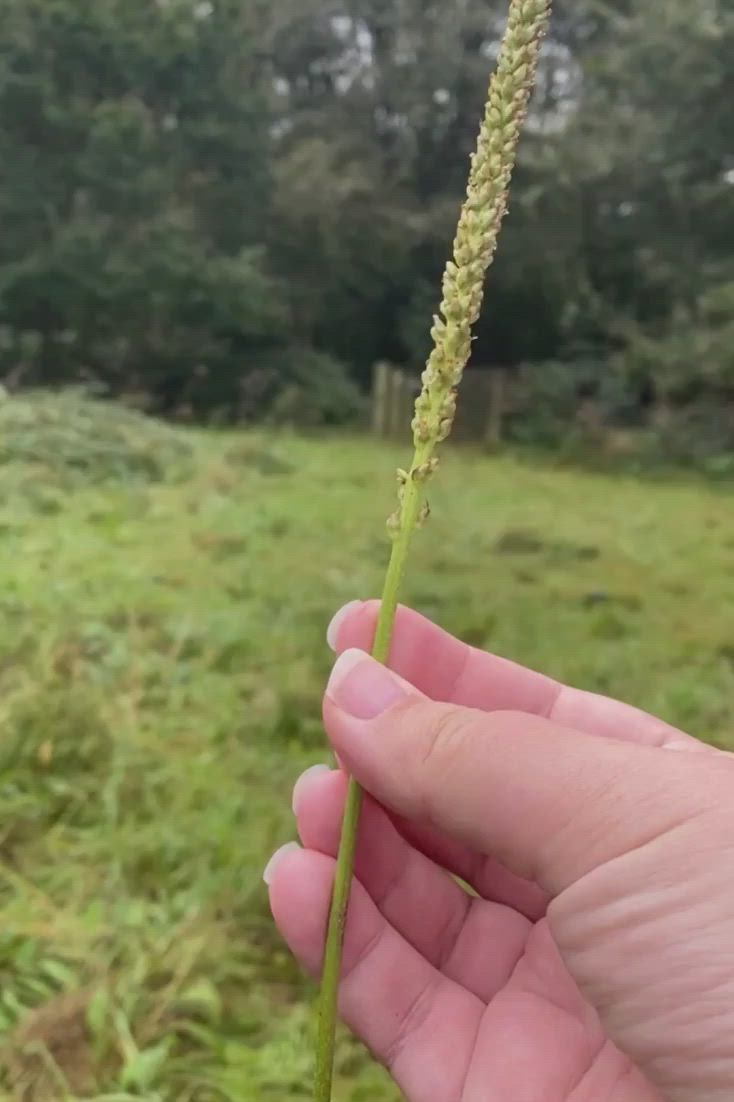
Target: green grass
point(161, 662)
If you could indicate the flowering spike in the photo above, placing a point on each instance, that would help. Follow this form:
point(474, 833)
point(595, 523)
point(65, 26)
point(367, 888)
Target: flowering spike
point(482, 214)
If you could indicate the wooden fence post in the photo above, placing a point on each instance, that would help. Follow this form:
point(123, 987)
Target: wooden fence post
point(393, 402)
point(496, 411)
point(381, 399)
point(408, 394)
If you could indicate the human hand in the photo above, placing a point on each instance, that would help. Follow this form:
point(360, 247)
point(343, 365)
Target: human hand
point(596, 963)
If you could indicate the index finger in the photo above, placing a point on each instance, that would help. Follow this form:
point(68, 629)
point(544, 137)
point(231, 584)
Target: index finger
point(445, 669)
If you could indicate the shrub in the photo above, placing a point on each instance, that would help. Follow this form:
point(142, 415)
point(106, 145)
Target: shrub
point(314, 390)
point(552, 396)
point(691, 359)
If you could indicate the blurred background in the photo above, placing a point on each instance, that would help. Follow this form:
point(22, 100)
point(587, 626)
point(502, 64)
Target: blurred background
point(223, 228)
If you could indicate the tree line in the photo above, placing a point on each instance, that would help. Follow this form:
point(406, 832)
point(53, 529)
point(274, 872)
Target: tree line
point(239, 206)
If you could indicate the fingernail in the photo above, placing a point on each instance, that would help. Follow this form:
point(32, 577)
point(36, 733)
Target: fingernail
point(332, 632)
point(269, 873)
point(303, 782)
point(363, 687)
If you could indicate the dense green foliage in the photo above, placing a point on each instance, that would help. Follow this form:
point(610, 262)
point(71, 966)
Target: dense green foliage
point(162, 658)
point(201, 199)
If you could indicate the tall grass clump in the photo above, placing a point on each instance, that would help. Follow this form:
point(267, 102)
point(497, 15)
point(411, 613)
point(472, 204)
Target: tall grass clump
point(71, 437)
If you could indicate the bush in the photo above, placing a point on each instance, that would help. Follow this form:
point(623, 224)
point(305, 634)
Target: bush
point(700, 434)
point(688, 365)
point(691, 360)
point(551, 399)
point(314, 390)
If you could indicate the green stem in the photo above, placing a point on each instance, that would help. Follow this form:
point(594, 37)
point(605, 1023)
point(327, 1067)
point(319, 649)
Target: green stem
point(331, 971)
point(326, 1035)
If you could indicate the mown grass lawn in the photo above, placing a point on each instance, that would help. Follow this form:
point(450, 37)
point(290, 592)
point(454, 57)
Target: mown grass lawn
point(161, 661)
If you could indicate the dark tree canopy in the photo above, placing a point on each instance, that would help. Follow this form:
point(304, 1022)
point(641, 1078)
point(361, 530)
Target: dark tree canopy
point(218, 202)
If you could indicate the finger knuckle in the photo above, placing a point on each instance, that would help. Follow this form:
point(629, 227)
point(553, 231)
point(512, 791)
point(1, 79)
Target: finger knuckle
point(443, 742)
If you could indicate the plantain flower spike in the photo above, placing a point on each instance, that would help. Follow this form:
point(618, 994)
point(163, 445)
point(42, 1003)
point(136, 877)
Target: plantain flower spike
point(479, 224)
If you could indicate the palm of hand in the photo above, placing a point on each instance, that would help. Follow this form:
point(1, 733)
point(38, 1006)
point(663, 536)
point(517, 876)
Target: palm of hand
point(452, 992)
point(539, 1040)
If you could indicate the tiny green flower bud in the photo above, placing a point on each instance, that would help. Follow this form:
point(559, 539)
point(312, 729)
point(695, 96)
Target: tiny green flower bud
point(422, 430)
point(423, 472)
point(444, 428)
point(424, 514)
point(393, 525)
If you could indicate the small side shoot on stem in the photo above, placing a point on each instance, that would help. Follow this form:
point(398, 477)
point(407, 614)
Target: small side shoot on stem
point(463, 290)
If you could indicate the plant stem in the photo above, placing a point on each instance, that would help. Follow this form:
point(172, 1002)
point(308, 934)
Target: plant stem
point(463, 289)
point(326, 1034)
point(331, 969)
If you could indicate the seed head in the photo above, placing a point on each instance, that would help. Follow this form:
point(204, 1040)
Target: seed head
point(481, 217)
point(475, 242)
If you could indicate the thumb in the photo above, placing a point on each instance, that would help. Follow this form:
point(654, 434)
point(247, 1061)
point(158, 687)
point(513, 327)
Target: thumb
point(549, 802)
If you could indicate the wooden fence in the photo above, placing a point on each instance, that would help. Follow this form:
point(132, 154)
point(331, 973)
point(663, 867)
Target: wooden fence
point(486, 395)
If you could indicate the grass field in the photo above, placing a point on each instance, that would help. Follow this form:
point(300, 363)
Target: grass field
point(161, 662)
